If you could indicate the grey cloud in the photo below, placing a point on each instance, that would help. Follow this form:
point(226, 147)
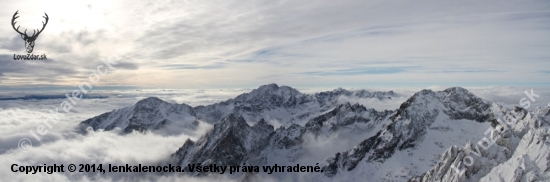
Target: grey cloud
point(53, 70)
point(126, 65)
point(66, 40)
point(357, 71)
point(55, 43)
point(286, 36)
point(14, 43)
point(18, 117)
point(191, 66)
point(246, 22)
point(45, 69)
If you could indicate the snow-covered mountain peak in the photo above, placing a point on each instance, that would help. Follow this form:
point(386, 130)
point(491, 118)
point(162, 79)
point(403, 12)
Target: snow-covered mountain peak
point(230, 142)
point(148, 114)
point(460, 96)
point(234, 121)
point(516, 148)
point(150, 101)
point(409, 126)
point(262, 125)
point(366, 144)
point(456, 102)
point(282, 103)
point(544, 111)
point(266, 91)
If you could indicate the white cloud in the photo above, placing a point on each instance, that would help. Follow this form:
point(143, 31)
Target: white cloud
point(63, 144)
point(202, 44)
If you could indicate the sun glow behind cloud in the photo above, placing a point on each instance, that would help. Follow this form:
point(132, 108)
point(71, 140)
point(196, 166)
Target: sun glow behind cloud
point(201, 44)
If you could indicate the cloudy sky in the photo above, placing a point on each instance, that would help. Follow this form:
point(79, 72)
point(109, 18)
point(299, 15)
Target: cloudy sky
point(242, 43)
point(202, 52)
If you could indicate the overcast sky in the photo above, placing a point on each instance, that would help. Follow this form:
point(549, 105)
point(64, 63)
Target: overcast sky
point(242, 43)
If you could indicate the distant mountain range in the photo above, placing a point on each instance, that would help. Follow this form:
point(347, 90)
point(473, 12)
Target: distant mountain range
point(417, 142)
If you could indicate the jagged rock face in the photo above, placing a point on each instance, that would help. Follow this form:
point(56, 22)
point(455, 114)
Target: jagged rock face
point(269, 101)
point(234, 142)
point(269, 97)
point(462, 104)
point(281, 102)
point(409, 125)
point(262, 145)
point(148, 114)
point(520, 152)
point(403, 128)
point(261, 132)
point(230, 142)
point(331, 96)
point(347, 114)
point(265, 98)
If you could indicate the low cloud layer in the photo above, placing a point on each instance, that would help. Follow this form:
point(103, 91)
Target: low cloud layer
point(64, 144)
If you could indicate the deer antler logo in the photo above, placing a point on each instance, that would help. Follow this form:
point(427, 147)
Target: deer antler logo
point(29, 41)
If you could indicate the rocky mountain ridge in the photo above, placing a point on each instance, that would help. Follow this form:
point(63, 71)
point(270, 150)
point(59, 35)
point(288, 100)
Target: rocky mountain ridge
point(417, 142)
point(268, 101)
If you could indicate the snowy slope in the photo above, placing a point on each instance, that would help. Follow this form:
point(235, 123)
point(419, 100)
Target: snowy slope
point(148, 114)
point(230, 142)
point(280, 105)
point(283, 104)
point(520, 151)
point(351, 142)
point(418, 132)
point(283, 146)
point(399, 144)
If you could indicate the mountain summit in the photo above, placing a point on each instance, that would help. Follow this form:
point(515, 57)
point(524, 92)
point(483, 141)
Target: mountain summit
point(148, 114)
point(270, 101)
point(350, 142)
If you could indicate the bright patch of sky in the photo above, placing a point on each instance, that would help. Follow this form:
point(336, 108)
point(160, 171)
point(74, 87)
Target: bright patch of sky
point(245, 43)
